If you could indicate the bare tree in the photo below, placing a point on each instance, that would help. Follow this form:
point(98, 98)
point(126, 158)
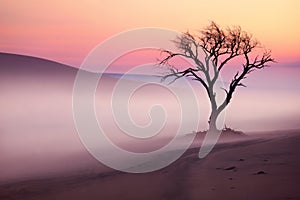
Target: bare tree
point(219, 47)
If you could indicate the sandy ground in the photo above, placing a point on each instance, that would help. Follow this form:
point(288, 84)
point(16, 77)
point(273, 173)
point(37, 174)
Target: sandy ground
point(266, 166)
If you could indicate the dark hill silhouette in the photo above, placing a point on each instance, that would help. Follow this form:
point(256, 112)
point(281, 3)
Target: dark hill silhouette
point(22, 65)
point(14, 63)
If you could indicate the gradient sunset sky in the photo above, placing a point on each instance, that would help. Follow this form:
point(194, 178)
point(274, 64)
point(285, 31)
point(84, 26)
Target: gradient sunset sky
point(66, 31)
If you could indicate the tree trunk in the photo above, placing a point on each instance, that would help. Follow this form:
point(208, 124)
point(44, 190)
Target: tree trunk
point(213, 120)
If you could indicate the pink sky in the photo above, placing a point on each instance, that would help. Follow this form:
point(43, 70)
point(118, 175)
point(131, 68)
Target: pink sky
point(66, 32)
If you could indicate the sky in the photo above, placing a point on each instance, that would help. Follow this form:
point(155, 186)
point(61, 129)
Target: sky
point(66, 31)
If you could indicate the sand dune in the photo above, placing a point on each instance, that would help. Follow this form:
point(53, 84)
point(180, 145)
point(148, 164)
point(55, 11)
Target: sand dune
point(261, 167)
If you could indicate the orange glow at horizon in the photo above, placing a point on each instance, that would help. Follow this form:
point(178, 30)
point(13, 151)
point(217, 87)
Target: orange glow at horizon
point(65, 31)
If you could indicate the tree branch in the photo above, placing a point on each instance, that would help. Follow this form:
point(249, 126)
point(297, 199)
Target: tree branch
point(188, 72)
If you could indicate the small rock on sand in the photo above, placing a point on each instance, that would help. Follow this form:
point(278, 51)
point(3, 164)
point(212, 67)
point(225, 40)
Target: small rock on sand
point(230, 168)
point(260, 172)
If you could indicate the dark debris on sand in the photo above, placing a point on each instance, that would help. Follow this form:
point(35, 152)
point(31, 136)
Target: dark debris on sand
point(230, 168)
point(260, 172)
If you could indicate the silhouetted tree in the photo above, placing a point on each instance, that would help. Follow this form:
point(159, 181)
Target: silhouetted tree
point(219, 46)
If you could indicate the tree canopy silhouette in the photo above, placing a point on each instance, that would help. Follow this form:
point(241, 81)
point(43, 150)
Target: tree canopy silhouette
point(219, 47)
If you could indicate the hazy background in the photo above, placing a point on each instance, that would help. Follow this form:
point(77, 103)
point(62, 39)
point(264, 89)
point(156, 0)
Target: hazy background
point(37, 132)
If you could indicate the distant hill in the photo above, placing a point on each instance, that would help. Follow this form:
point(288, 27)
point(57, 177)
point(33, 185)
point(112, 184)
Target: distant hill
point(21, 64)
point(14, 64)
